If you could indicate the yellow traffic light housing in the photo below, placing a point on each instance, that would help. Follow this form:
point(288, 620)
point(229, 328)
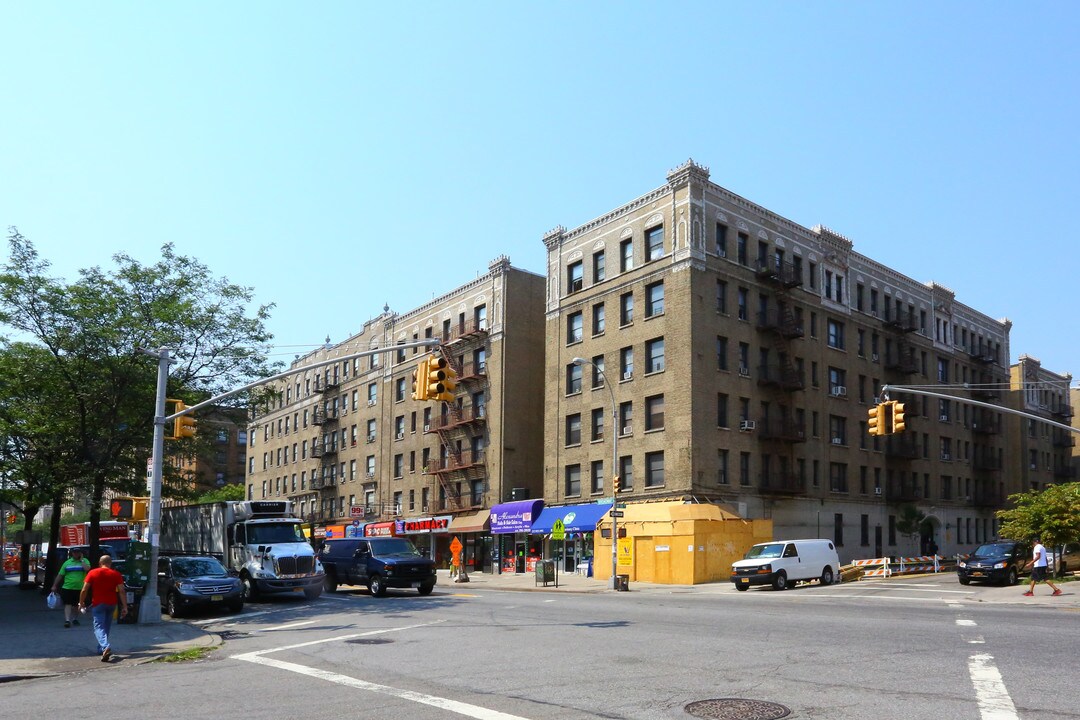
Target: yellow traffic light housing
point(898, 424)
point(184, 426)
point(419, 386)
point(875, 421)
point(616, 484)
point(441, 379)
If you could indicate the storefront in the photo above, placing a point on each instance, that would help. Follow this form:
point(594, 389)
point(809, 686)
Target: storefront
point(425, 534)
point(514, 550)
point(471, 529)
point(380, 529)
point(579, 523)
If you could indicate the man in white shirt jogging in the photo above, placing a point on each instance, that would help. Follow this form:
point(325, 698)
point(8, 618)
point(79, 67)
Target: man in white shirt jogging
point(1038, 571)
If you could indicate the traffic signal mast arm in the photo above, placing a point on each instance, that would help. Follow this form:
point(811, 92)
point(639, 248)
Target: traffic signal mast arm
point(997, 408)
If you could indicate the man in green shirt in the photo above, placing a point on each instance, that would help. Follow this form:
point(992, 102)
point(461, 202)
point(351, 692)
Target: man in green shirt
point(69, 582)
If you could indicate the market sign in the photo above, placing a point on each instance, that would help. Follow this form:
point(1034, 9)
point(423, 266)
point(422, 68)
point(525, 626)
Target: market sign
point(419, 526)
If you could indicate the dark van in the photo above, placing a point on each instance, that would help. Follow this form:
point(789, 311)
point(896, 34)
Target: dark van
point(377, 562)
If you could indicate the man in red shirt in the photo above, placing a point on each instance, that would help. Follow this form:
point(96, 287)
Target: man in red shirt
point(103, 586)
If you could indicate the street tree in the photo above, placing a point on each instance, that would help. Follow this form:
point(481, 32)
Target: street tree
point(1052, 514)
point(92, 405)
point(909, 522)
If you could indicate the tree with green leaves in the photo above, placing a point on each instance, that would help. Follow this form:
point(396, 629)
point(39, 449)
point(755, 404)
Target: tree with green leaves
point(77, 396)
point(233, 491)
point(1052, 514)
point(909, 521)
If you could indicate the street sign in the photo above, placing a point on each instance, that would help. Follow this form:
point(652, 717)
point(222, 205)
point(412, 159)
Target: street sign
point(617, 513)
point(558, 530)
point(356, 511)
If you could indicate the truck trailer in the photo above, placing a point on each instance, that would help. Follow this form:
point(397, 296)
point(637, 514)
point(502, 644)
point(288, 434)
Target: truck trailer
point(258, 539)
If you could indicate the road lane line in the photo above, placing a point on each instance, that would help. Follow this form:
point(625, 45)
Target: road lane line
point(964, 622)
point(455, 706)
point(284, 627)
point(990, 693)
point(851, 596)
point(338, 638)
point(231, 618)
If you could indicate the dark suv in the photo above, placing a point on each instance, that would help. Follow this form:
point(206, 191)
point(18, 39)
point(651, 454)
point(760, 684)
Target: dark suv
point(1001, 561)
point(379, 563)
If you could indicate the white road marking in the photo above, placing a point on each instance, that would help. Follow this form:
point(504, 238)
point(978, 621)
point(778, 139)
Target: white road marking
point(552, 600)
point(461, 708)
point(956, 607)
point(977, 640)
point(285, 627)
point(964, 622)
point(849, 596)
point(990, 693)
point(910, 588)
point(339, 638)
point(231, 618)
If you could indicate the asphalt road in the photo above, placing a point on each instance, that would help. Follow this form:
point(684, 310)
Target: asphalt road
point(922, 649)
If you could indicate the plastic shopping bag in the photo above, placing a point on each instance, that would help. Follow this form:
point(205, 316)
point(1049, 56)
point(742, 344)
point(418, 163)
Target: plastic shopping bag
point(53, 601)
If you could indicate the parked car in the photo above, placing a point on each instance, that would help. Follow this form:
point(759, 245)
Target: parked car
point(192, 582)
point(377, 562)
point(782, 563)
point(115, 548)
point(1001, 561)
point(1065, 558)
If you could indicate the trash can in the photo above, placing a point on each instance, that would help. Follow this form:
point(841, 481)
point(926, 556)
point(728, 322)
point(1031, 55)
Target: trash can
point(622, 583)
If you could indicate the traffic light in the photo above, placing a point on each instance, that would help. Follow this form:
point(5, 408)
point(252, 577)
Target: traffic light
point(440, 379)
point(122, 508)
point(419, 387)
point(898, 423)
point(875, 422)
point(616, 484)
point(185, 425)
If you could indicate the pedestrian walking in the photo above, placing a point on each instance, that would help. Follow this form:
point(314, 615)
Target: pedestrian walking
point(103, 587)
point(69, 582)
point(1038, 570)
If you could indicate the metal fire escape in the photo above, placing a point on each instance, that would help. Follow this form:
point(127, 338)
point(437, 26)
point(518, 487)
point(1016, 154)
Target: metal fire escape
point(326, 448)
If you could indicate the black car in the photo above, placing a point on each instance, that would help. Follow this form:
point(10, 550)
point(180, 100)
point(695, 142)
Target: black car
point(117, 549)
point(379, 563)
point(193, 582)
point(1001, 561)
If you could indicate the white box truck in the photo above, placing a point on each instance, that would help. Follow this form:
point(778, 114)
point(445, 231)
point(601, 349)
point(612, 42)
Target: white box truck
point(259, 539)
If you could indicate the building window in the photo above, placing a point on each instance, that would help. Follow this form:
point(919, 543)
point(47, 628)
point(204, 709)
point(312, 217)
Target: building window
point(721, 296)
point(598, 271)
point(837, 381)
point(744, 469)
point(654, 469)
point(626, 255)
point(626, 363)
point(597, 424)
point(597, 479)
point(573, 481)
point(626, 472)
point(399, 390)
point(573, 429)
point(598, 372)
point(372, 395)
point(721, 240)
point(838, 478)
point(654, 299)
point(654, 242)
point(575, 277)
point(654, 355)
point(626, 417)
point(626, 308)
point(654, 412)
point(836, 334)
point(721, 353)
point(722, 467)
point(598, 319)
point(838, 529)
point(740, 248)
point(574, 328)
point(399, 466)
point(722, 410)
point(573, 378)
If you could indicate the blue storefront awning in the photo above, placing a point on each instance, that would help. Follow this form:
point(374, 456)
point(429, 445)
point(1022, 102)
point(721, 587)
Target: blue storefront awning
point(514, 517)
point(576, 518)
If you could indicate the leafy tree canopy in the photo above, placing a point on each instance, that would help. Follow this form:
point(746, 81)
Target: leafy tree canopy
point(1052, 514)
point(227, 492)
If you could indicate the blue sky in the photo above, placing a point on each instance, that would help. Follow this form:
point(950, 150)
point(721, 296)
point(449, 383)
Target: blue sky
point(328, 154)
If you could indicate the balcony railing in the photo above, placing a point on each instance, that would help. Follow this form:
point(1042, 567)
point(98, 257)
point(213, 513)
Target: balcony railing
point(902, 447)
point(324, 415)
point(455, 461)
point(468, 415)
point(902, 493)
point(781, 483)
point(782, 321)
point(902, 321)
point(781, 273)
point(786, 430)
point(785, 377)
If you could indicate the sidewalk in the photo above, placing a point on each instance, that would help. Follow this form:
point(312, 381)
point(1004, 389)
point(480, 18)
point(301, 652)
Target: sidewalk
point(36, 642)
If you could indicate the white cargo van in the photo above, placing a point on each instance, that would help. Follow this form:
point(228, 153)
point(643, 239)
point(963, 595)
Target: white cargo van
point(782, 563)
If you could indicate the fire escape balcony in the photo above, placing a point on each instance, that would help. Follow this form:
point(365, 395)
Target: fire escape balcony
point(324, 385)
point(986, 393)
point(472, 415)
point(783, 429)
point(470, 330)
point(905, 492)
point(1065, 412)
point(901, 447)
point(778, 273)
point(1064, 441)
point(471, 371)
point(986, 462)
point(456, 462)
point(984, 426)
point(1064, 472)
point(785, 377)
point(902, 361)
point(986, 498)
point(781, 483)
point(781, 321)
point(901, 321)
point(324, 450)
point(324, 415)
point(983, 356)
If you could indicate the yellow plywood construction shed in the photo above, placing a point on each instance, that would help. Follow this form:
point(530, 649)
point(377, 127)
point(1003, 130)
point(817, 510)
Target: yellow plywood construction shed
point(677, 542)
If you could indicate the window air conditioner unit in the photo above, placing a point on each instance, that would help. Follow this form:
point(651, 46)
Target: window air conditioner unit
point(627, 375)
point(427, 427)
point(944, 418)
point(722, 253)
point(837, 441)
point(371, 438)
point(627, 429)
point(839, 391)
point(399, 436)
point(744, 371)
point(874, 357)
point(747, 425)
point(370, 403)
point(424, 509)
point(482, 367)
point(946, 456)
point(877, 491)
point(370, 475)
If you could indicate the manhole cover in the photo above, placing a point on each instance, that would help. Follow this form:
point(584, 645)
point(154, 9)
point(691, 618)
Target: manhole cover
point(737, 709)
point(369, 641)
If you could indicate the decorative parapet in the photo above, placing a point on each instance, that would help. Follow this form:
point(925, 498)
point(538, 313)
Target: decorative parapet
point(552, 238)
point(687, 172)
point(499, 265)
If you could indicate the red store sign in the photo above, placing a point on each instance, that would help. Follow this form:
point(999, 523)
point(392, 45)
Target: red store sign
point(383, 529)
point(418, 526)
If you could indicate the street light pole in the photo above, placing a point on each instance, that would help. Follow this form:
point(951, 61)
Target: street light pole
point(614, 468)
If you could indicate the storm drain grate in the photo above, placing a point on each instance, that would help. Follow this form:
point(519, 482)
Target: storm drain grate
point(232, 634)
point(369, 641)
point(737, 709)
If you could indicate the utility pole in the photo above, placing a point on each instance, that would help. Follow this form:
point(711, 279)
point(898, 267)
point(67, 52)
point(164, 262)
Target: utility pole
point(150, 607)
